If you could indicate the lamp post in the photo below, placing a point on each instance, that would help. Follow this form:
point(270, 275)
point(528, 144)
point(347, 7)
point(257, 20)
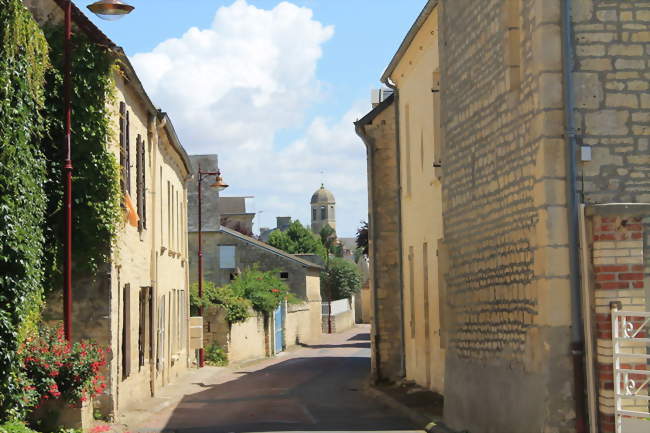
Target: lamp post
point(220, 186)
point(108, 8)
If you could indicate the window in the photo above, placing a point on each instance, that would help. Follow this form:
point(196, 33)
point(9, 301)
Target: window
point(284, 275)
point(323, 212)
point(144, 328)
point(512, 16)
point(314, 214)
point(411, 259)
point(227, 257)
point(124, 165)
point(162, 219)
point(169, 215)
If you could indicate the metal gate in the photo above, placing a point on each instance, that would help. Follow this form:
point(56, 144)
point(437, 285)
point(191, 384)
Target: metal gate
point(278, 324)
point(631, 351)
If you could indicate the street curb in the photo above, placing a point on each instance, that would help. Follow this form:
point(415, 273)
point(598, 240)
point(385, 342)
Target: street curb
point(429, 425)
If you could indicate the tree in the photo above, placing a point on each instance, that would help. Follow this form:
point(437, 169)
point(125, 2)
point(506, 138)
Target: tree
point(362, 237)
point(340, 279)
point(297, 240)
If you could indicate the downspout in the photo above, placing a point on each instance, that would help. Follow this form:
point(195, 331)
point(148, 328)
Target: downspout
point(372, 235)
point(392, 86)
point(577, 331)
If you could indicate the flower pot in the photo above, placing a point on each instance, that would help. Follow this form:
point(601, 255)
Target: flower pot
point(52, 415)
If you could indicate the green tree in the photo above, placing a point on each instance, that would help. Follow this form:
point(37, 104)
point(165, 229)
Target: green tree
point(23, 65)
point(297, 240)
point(264, 289)
point(362, 237)
point(340, 279)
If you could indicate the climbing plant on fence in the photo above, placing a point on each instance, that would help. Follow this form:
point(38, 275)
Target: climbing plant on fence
point(23, 64)
point(95, 191)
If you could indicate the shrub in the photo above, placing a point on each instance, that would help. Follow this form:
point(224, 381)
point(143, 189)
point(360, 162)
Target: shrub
point(216, 355)
point(58, 369)
point(15, 427)
point(298, 239)
point(264, 289)
point(340, 279)
point(236, 307)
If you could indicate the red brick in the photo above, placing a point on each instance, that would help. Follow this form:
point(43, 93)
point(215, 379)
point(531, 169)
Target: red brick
point(640, 268)
point(607, 277)
point(637, 235)
point(613, 285)
point(613, 268)
point(634, 228)
point(638, 284)
point(629, 276)
point(608, 219)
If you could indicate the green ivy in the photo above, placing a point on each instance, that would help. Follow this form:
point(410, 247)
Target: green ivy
point(96, 194)
point(23, 65)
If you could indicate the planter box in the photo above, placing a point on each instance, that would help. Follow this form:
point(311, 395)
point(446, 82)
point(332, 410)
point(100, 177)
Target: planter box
point(55, 414)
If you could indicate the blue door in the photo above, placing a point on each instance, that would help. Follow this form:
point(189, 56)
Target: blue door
point(278, 323)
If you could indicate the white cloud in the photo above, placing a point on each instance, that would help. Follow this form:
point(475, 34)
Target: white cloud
point(230, 88)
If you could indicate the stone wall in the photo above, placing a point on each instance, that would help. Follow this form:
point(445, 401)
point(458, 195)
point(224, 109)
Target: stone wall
point(613, 99)
point(504, 209)
point(378, 129)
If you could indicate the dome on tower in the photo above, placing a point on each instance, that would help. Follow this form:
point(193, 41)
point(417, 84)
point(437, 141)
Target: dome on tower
point(322, 196)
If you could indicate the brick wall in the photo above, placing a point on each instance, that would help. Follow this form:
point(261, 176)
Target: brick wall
point(612, 53)
point(504, 202)
point(618, 275)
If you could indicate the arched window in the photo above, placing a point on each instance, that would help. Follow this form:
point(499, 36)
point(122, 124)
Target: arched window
point(314, 213)
point(323, 212)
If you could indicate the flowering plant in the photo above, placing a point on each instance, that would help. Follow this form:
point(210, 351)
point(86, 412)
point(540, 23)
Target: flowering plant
point(58, 369)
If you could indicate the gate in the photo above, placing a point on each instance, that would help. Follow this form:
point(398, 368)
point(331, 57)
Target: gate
point(278, 325)
point(631, 352)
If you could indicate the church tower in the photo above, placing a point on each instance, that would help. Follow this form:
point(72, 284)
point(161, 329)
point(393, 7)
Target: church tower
point(322, 210)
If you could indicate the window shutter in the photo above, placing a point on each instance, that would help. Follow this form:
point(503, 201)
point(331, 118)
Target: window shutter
point(139, 148)
point(123, 170)
point(128, 154)
point(143, 217)
point(126, 331)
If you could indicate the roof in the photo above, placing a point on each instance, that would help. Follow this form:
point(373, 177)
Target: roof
point(82, 21)
point(322, 195)
point(173, 138)
point(254, 242)
point(415, 28)
point(376, 111)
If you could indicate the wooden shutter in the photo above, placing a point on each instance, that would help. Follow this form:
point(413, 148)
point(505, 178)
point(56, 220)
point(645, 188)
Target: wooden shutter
point(126, 331)
point(123, 171)
point(127, 141)
point(143, 217)
point(139, 146)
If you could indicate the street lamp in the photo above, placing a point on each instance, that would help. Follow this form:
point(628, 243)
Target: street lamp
point(110, 10)
point(219, 186)
point(67, 163)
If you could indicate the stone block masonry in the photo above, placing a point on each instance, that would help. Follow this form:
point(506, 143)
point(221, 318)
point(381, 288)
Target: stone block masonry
point(612, 40)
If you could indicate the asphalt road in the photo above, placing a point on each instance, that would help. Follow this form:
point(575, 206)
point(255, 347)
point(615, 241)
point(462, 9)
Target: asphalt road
point(314, 388)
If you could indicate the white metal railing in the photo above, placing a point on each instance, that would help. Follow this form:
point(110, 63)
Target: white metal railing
point(631, 352)
point(339, 306)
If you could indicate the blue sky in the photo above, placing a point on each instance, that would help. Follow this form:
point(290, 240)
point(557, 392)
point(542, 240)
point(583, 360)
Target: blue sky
point(277, 87)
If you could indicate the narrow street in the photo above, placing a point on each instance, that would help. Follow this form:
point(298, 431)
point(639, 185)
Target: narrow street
point(315, 388)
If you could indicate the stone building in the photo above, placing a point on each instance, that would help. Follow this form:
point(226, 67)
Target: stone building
point(228, 252)
point(138, 303)
point(235, 214)
point(542, 159)
point(323, 210)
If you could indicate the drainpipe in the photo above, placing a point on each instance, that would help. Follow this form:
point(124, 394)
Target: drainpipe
point(577, 331)
point(392, 86)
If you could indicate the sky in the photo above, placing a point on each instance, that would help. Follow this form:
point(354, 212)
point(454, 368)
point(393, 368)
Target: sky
point(272, 87)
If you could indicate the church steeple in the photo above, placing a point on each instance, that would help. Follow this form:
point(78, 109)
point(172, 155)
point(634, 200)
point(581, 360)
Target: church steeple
point(323, 210)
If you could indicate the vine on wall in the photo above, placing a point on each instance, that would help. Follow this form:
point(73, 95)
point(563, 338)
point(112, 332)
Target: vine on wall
point(95, 190)
point(23, 65)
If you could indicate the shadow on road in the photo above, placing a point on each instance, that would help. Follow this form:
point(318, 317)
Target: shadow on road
point(307, 393)
point(364, 336)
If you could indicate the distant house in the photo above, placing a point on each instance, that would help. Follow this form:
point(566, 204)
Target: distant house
point(228, 252)
point(282, 224)
point(236, 215)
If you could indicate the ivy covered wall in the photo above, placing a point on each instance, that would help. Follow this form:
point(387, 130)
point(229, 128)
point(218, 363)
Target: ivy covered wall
point(23, 65)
